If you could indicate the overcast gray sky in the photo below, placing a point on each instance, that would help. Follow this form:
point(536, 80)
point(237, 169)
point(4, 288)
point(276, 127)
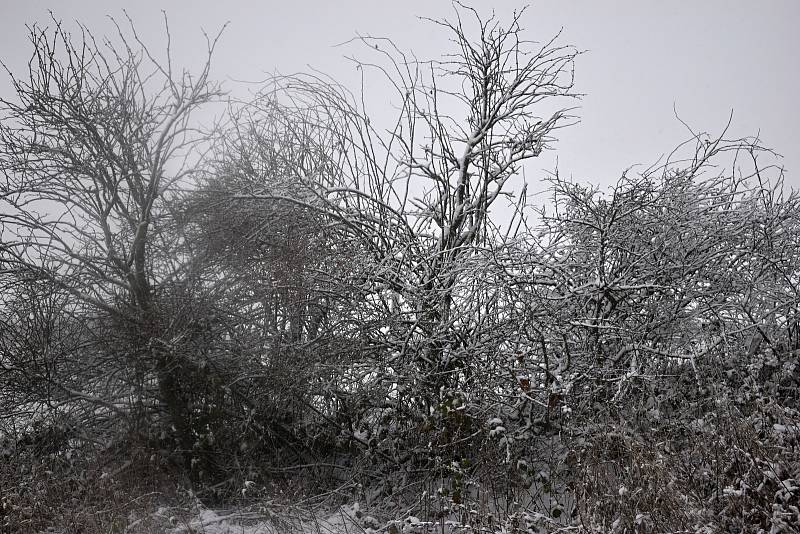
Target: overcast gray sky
point(705, 58)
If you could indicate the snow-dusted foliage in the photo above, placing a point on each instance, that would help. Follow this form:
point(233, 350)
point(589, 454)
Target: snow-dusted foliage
point(299, 310)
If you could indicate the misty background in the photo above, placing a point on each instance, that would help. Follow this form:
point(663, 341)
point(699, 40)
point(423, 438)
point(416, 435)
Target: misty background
point(643, 61)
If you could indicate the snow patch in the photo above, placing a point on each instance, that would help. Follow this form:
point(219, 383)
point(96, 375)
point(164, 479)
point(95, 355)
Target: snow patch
point(345, 520)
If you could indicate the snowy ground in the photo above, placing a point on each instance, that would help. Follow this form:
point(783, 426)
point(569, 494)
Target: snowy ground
point(345, 520)
point(217, 522)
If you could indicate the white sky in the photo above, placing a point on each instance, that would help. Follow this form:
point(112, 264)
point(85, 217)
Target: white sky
point(705, 58)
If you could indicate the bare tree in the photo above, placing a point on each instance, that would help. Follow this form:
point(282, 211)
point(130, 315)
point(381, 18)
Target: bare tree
point(419, 197)
point(92, 148)
point(641, 307)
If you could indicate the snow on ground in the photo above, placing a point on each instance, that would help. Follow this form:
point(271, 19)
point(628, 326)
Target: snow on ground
point(345, 520)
